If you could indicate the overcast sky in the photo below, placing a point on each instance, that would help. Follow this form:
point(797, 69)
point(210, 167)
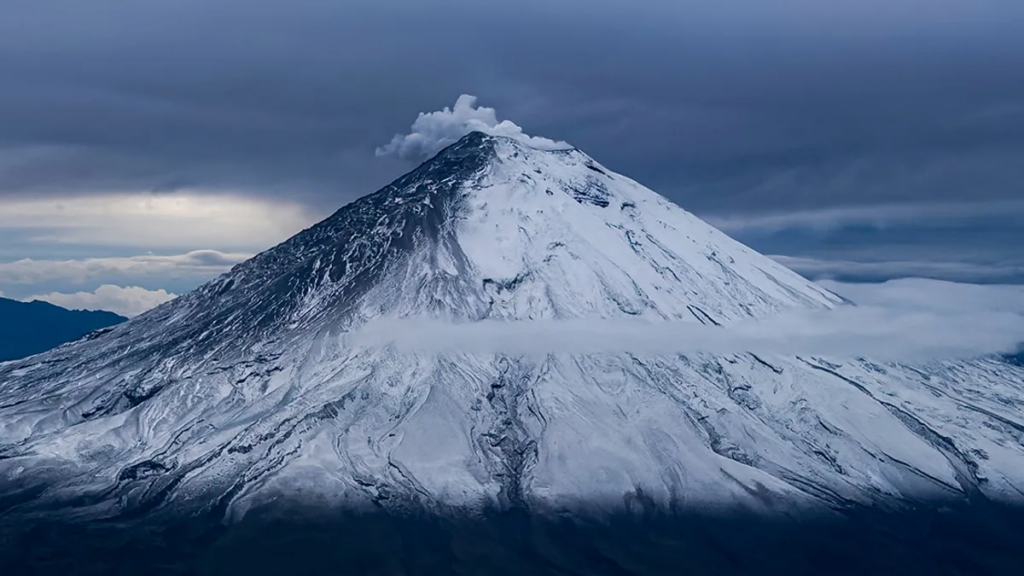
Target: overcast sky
point(154, 143)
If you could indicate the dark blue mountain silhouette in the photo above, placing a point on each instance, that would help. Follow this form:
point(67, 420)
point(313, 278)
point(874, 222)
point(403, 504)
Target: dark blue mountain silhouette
point(28, 328)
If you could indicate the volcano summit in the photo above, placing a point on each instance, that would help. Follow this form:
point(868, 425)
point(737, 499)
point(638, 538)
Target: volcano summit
point(244, 393)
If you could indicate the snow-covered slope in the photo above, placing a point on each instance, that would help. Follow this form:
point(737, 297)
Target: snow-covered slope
point(244, 391)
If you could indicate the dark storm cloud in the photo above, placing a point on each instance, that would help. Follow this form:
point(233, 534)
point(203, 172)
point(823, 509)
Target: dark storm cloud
point(726, 106)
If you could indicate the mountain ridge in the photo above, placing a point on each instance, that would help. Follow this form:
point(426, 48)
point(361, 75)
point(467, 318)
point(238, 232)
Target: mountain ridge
point(28, 328)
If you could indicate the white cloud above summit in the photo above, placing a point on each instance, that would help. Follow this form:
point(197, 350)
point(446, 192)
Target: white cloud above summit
point(433, 131)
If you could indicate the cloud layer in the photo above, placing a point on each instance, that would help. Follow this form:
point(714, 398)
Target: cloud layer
point(963, 242)
point(880, 270)
point(790, 105)
point(433, 131)
point(127, 301)
point(172, 220)
point(892, 326)
point(200, 264)
point(919, 294)
point(794, 107)
point(879, 216)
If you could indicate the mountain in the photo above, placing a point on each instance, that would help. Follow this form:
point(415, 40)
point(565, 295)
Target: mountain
point(28, 328)
point(245, 393)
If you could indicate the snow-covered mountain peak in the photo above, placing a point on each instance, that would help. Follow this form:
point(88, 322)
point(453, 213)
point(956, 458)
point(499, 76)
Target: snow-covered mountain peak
point(554, 234)
point(493, 228)
point(243, 391)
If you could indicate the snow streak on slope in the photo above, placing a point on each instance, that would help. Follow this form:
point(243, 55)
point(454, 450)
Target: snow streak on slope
point(244, 390)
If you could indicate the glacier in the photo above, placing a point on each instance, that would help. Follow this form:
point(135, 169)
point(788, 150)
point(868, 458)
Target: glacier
point(246, 391)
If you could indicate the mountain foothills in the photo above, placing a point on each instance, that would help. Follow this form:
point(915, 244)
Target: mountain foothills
point(28, 328)
point(245, 392)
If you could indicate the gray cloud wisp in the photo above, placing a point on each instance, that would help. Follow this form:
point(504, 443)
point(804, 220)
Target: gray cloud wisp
point(201, 264)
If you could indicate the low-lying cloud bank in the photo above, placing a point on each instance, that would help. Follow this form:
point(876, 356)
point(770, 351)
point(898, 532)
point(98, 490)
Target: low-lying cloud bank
point(433, 131)
point(127, 301)
point(821, 269)
point(891, 326)
point(937, 296)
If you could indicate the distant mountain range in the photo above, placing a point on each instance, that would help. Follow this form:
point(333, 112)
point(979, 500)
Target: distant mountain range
point(28, 328)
